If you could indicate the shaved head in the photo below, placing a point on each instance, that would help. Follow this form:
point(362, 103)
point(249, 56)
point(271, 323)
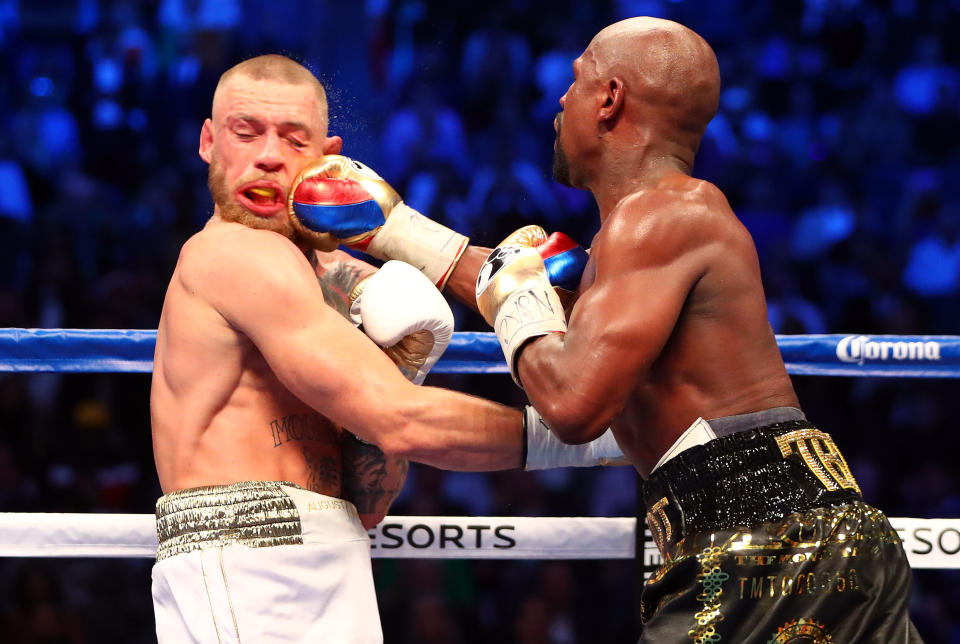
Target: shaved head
point(668, 66)
point(644, 91)
point(273, 67)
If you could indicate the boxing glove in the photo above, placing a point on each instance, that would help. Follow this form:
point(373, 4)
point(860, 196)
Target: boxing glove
point(404, 313)
point(563, 258)
point(515, 291)
point(338, 200)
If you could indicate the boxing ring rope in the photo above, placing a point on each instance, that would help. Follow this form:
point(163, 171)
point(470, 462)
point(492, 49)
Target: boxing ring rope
point(131, 351)
point(929, 543)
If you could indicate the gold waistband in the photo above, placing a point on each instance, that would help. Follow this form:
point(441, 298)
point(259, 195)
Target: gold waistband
point(251, 513)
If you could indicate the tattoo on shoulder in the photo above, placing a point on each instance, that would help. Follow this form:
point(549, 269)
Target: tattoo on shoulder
point(337, 281)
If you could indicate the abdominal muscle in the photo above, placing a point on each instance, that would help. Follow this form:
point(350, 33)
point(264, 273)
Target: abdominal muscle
point(229, 425)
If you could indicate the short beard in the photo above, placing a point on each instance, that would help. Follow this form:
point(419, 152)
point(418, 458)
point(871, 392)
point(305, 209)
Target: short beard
point(230, 210)
point(561, 166)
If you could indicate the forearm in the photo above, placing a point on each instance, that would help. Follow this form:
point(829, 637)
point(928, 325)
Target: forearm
point(553, 377)
point(455, 431)
point(463, 281)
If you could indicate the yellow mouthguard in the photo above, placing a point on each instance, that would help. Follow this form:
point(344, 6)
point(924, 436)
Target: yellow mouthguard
point(264, 192)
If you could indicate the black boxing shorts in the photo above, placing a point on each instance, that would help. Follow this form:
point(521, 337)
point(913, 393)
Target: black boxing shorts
point(765, 538)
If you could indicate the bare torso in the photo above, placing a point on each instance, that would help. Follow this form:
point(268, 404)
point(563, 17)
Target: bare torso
point(721, 357)
point(669, 324)
point(219, 414)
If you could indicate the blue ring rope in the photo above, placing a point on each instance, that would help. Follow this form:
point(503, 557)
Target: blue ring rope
point(131, 351)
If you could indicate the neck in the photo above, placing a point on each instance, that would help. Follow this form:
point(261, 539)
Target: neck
point(218, 219)
point(639, 162)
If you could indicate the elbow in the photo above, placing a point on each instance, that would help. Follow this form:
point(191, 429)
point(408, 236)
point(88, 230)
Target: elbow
point(408, 431)
point(402, 439)
point(392, 427)
point(397, 443)
point(572, 421)
point(372, 520)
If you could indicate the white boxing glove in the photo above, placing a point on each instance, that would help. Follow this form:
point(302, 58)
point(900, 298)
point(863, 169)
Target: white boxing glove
point(543, 450)
point(404, 313)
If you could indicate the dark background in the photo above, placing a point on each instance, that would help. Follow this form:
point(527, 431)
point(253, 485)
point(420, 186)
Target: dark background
point(836, 144)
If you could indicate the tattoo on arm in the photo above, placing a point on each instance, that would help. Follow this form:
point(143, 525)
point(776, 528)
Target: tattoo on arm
point(337, 280)
point(371, 479)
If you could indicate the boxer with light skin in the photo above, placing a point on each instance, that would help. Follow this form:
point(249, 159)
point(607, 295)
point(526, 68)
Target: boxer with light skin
point(668, 341)
point(245, 295)
point(259, 378)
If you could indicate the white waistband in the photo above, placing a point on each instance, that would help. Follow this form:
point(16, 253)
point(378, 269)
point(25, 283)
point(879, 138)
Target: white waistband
point(698, 433)
point(325, 519)
point(703, 431)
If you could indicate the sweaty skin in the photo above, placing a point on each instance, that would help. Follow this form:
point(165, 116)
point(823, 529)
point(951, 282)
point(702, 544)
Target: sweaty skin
point(257, 373)
point(670, 321)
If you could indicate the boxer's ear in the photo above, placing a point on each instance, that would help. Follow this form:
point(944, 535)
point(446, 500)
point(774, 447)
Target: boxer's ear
point(332, 145)
point(612, 99)
point(206, 140)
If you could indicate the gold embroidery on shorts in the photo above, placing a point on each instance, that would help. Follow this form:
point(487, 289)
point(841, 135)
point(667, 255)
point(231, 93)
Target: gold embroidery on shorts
point(226, 587)
point(802, 630)
point(711, 577)
point(213, 614)
point(826, 461)
point(660, 526)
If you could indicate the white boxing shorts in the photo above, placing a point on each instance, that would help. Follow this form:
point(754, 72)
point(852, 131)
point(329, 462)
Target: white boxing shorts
point(262, 562)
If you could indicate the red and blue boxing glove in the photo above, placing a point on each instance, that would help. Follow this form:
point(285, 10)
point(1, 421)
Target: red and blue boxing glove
point(337, 200)
point(563, 258)
point(516, 291)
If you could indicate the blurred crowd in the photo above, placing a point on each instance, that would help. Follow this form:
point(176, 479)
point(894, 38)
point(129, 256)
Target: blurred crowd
point(837, 141)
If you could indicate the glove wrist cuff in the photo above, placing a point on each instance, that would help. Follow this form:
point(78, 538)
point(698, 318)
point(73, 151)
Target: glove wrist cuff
point(355, 302)
point(526, 314)
point(543, 450)
point(410, 237)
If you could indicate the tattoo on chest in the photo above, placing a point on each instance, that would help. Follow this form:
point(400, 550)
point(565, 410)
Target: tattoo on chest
point(324, 473)
point(295, 427)
point(336, 282)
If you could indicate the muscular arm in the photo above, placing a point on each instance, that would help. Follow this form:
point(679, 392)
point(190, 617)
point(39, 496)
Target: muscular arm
point(579, 381)
point(265, 288)
point(371, 479)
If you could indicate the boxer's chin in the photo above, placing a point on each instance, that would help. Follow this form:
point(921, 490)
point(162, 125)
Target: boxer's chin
point(561, 167)
point(230, 210)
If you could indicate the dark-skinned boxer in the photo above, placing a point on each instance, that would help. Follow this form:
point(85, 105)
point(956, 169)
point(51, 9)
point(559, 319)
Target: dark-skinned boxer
point(763, 530)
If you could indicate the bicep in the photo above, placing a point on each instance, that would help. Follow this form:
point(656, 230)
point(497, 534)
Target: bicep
point(616, 330)
point(320, 357)
point(622, 322)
